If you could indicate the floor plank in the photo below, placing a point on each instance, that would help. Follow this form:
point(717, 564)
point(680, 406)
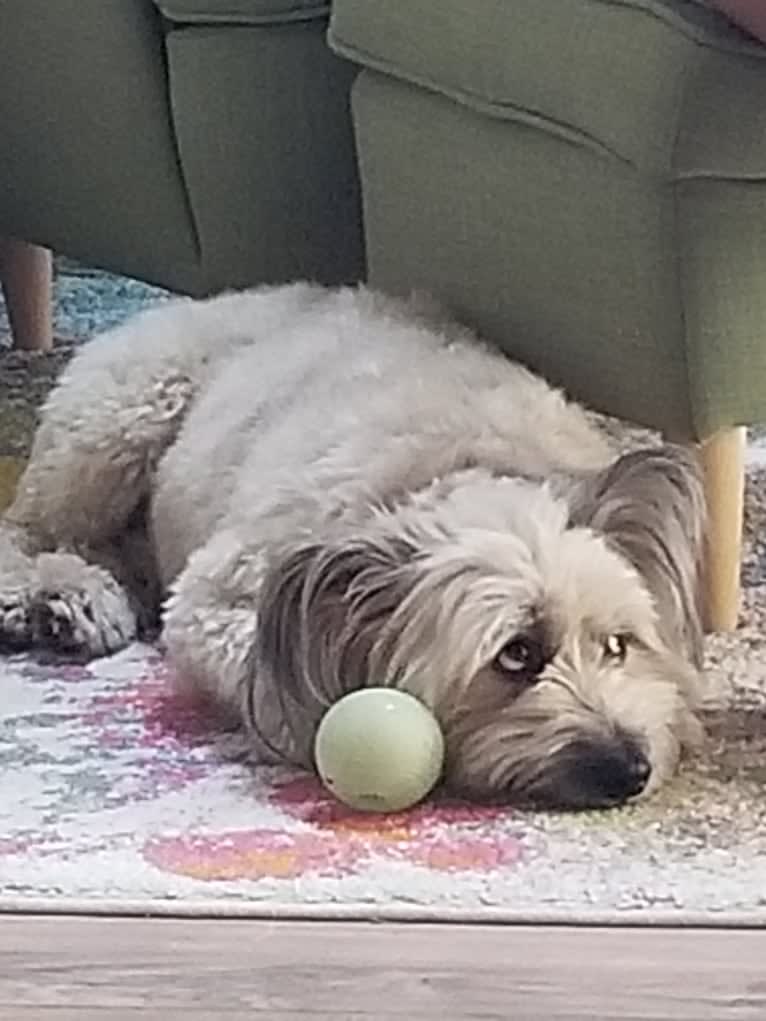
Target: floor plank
point(80, 969)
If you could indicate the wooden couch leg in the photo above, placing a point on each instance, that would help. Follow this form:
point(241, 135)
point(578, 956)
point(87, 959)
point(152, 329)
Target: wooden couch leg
point(723, 462)
point(26, 274)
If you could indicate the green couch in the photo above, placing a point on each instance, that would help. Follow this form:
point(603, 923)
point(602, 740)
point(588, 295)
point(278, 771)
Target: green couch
point(198, 144)
point(585, 181)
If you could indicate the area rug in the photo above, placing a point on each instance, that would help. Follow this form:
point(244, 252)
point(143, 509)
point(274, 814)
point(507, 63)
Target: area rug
point(116, 797)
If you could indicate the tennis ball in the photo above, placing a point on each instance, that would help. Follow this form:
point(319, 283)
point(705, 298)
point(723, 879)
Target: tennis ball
point(379, 750)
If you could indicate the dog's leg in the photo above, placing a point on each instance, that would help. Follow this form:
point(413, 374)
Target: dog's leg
point(89, 604)
point(116, 411)
point(95, 602)
point(210, 622)
point(17, 586)
point(92, 461)
point(209, 634)
point(59, 600)
point(65, 571)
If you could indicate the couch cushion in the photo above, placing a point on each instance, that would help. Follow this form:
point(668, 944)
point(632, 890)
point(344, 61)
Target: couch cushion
point(243, 12)
point(668, 85)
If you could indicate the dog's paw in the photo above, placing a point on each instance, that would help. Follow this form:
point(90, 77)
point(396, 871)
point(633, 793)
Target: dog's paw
point(15, 617)
point(79, 607)
point(17, 584)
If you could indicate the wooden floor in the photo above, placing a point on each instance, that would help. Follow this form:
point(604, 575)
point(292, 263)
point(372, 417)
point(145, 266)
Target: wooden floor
point(80, 969)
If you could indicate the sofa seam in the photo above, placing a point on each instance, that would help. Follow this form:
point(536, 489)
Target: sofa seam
point(475, 101)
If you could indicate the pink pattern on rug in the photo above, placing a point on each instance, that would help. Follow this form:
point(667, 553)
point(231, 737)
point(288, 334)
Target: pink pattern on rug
point(149, 714)
point(443, 836)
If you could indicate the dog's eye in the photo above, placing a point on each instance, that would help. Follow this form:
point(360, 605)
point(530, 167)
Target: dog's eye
point(615, 648)
point(521, 657)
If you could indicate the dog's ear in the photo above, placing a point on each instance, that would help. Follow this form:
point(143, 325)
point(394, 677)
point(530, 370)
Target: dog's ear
point(650, 505)
point(324, 608)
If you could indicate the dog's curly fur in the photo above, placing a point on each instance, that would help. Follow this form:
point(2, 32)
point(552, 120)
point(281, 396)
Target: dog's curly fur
point(338, 489)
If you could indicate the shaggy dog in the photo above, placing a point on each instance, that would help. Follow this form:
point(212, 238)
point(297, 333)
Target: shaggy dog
point(333, 489)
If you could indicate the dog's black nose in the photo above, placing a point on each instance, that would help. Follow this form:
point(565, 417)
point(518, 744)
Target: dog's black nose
point(593, 773)
point(608, 773)
point(638, 772)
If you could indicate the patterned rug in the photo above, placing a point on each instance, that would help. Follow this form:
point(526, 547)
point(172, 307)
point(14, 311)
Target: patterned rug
point(116, 797)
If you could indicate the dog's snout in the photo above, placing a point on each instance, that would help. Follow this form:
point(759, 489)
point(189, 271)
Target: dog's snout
point(608, 773)
point(595, 773)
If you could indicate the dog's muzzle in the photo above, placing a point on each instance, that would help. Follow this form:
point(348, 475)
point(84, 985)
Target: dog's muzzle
point(594, 773)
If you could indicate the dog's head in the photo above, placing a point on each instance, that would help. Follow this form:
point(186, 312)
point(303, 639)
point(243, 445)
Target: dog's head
point(553, 630)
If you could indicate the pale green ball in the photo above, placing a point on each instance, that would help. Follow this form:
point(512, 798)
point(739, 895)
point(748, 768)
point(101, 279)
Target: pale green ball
point(379, 750)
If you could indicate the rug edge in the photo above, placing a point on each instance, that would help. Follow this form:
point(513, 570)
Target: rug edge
point(273, 912)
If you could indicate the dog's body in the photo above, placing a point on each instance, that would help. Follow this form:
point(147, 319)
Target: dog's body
point(338, 489)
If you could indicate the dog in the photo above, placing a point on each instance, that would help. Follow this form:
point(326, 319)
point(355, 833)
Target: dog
point(315, 490)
